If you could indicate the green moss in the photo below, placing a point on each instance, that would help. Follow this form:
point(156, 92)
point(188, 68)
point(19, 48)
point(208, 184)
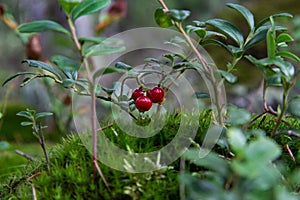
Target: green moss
point(71, 173)
point(71, 177)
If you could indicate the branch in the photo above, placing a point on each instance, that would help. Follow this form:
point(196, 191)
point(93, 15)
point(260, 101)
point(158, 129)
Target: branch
point(28, 157)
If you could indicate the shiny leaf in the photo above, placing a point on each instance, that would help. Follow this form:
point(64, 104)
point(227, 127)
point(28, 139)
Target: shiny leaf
point(245, 12)
point(228, 28)
point(87, 7)
point(179, 15)
point(42, 65)
point(40, 26)
point(162, 19)
point(229, 77)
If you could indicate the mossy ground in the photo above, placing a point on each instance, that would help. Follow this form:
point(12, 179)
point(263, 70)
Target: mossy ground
point(71, 172)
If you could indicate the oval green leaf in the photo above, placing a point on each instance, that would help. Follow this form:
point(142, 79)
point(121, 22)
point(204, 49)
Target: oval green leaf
point(87, 7)
point(267, 19)
point(68, 5)
point(289, 55)
point(121, 65)
point(42, 65)
point(229, 77)
point(40, 26)
point(162, 19)
point(64, 63)
point(228, 28)
point(246, 14)
point(284, 37)
point(179, 15)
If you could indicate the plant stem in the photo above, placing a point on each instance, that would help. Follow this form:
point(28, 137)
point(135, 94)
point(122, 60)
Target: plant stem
point(283, 109)
point(43, 144)
point(96, 167)
point(208, 71)
point(28, 157)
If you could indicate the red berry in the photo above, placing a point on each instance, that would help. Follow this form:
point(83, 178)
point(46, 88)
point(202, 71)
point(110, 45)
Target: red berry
point(137, 93)
point(156, 95)
point(143, 103)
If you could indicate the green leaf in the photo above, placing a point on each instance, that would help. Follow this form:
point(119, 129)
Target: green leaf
point(212, 161)
point(215, 34)
point(274, 80)
point(267, 19)
point(42, 114)
point(42, 65)
point(285, 67)
point(288, 54)
point(228, 28)
point(107, 70)
point(202, 95)
point(229, 77)
point(182, 64)
point(237, 140)
point(87, 7)
point(162, 19)
point(68, 5)
point(215, 42)
point(284, 37)
point(95, 40)
point(67, 83)
point(263, 151)
point(25, 114)
point(64, 63)
point(201, 32)
point(179, 15)
point(260, 35)
point(245, 12)
point(16, 75)
point(155, 60)
point(4, 145)
point(121, 65)
point(40, 26)
point(26, 123)
point(271, 44)
point(101, 49)
point(237, 116)
point(256, 161)
point(1, 115)
point(109, 91)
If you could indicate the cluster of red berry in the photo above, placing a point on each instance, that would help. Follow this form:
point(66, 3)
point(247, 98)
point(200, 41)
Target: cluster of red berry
point(143, 100)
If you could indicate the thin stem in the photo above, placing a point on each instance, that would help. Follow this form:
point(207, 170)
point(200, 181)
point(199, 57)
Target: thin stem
point(283, 109)
point(28, 157)
point(43, 145)
point(93, 105)
point(33, 192)
point(208, 71)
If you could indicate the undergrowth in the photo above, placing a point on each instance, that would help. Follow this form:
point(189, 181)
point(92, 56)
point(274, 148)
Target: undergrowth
point(71, 174)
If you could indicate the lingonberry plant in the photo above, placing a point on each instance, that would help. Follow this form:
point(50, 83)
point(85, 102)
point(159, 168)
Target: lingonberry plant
point(241, 166)
point(35, 121)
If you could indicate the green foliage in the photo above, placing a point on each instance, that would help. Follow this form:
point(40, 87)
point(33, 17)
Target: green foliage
point(251, 173)
point(246, 163)
point(40, 26)
point(71, 176)
point(87, 7)
point(162, 18)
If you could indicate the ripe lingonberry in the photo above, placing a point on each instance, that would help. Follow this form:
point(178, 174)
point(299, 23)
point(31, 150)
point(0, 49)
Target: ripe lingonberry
point(143, 103)
point(156, 95)
point(137, 93)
